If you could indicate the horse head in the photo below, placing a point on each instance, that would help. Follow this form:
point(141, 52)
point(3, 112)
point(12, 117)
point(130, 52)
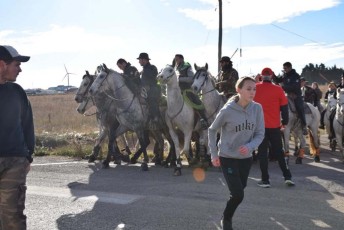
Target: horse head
point(166, 74)
point(331, 102)
point(200, 78)
point(101, 74)
point(86, 83)
point(86, 104)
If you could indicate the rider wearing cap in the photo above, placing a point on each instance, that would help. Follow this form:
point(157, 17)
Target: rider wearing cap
point(228, 77)
point(185, 79)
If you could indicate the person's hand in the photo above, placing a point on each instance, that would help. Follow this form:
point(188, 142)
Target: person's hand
point(215, 161)
point(282, 127)
point(243, 150)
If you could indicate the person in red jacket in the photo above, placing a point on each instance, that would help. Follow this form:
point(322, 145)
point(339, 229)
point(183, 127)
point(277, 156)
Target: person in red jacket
point(274, 103)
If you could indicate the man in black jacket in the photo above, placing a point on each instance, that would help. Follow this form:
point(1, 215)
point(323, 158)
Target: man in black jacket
point(131, 75)
point(292, 86)
point(17, 140)
point(150, 83)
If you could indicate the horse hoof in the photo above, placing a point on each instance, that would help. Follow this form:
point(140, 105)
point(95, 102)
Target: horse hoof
point(317, 159)
point(177, 172)
point(298, 160)
point(158, 163)
point(106, 164)
point(144, 167)
point(133, 161)
point(117, 162)
point(125, 158)
point(91, 159)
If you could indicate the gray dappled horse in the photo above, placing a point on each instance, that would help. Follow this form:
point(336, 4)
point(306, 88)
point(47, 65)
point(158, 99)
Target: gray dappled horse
point(130, 113)
point(180, 116)
point(294, 125)
point(204, 84)
point(338, 122)
point(107, 122)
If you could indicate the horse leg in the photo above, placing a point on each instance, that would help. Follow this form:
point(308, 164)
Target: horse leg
point(96, 147)
point(144, 139)
point(158, 148)
point(174, 136)
point(301, 154)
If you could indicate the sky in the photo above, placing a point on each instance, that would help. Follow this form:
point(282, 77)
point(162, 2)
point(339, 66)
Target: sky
point(81, 34)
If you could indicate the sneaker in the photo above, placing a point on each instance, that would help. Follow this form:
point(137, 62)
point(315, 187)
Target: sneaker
point(289, 183)
point(264, 184)
point(304, 131)
point(322, 127)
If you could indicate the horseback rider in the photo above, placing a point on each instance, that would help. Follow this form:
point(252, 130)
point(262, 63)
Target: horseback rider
point(185, 79)
point(131, 76)
point(149, 82)
point(227, 78)
point(332, 90)
point(308, 93)
point(292, 86)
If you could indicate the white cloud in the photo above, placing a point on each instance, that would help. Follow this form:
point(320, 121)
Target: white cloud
point(237, 13)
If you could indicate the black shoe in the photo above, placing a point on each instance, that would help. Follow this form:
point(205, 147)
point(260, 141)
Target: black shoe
point(322, 126)
point(204, 124)
point(264, 184)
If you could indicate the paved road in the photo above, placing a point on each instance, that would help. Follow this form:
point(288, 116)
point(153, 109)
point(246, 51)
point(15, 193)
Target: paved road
point(68, 194)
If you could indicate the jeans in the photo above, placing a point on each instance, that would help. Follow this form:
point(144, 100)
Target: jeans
point(273, 139)
point(236, 172)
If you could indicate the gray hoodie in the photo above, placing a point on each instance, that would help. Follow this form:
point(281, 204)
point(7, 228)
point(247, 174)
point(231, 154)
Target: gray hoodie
point(238, 127)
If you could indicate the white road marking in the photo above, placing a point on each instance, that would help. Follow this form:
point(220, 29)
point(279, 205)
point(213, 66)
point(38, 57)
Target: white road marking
point(83, 195)
point(60, 163)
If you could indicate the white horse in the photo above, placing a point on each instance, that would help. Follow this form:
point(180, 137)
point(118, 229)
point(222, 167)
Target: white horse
point(130, 113)
point(179, 115)
point(106, 120)
point(330, 106)
point(211, 98)
point(338, 122)
point(294, 125)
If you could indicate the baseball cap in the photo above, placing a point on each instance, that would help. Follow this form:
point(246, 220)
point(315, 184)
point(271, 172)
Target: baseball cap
point(267, 72)
point(8, 53)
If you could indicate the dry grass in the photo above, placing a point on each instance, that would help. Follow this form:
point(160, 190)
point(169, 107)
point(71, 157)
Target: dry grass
point(57, 114)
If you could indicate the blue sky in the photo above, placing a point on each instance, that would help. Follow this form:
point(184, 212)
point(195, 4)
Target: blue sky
point(82, 34)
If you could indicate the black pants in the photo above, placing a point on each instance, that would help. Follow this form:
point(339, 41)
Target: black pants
point(298, 101)
point(153, 99)
point(236, 173)
point(273, 139)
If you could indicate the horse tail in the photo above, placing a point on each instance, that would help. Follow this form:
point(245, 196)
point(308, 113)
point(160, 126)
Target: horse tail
point(312, 144)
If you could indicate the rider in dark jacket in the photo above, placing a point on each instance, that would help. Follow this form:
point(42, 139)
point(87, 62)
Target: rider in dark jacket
point(131, 75)
point(292, 86)
point(149, 82)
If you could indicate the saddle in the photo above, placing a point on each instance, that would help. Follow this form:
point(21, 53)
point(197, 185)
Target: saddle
point(189, 98)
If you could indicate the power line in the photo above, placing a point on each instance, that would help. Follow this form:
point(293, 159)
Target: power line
point(291, 32)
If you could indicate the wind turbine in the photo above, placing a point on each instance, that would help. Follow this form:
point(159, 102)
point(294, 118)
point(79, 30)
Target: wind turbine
point(67, 75)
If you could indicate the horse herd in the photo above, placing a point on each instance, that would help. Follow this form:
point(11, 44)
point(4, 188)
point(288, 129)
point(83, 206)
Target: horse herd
point(119, 110)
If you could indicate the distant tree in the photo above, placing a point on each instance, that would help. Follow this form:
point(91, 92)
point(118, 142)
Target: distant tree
point(321, 73)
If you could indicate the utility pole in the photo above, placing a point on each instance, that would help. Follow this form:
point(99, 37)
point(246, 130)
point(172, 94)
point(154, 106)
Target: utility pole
point(220, 35)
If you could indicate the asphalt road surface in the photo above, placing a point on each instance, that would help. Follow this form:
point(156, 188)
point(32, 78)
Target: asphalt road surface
point(66, 193)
